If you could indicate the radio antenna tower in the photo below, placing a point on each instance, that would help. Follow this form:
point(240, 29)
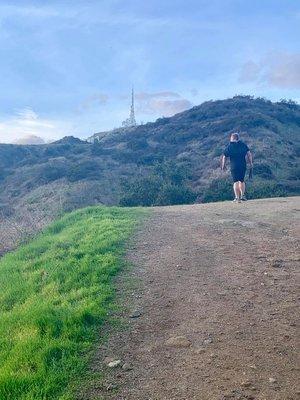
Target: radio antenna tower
point(130, 122)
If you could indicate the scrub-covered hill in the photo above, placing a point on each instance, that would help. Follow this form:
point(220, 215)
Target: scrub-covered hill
point(171, 161)
point(194, 140)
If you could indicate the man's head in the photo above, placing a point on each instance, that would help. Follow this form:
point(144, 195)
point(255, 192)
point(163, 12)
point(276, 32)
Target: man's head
point(234, 137)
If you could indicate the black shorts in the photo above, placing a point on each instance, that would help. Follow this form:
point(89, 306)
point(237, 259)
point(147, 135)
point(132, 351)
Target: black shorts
point(238, 174)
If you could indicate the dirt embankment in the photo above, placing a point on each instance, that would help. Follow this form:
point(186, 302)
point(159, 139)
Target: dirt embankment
point(215, 309)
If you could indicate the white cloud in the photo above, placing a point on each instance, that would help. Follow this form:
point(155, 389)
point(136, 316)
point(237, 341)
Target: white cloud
point(96, 99)
point(27, 122)
point(167, 108)
point(250, 72)
point(30, 139)
point(161, 103)
point(284, 71)
point(11, 10)
point(81, 15)
point(147, 96)
point(106, 13)
point(281, 70)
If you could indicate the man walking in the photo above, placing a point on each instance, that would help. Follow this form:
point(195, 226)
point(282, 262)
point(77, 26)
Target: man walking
point(238, 153)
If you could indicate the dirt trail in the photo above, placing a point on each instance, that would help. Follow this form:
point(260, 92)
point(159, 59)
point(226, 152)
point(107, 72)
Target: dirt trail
point(223, 277)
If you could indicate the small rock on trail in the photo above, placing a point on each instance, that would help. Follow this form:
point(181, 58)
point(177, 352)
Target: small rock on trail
point(178, 341)
point(135, 314)
point(114, 364)
point(127, 367)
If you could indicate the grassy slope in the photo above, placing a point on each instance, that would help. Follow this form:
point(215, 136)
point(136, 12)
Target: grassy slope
point(54, 293)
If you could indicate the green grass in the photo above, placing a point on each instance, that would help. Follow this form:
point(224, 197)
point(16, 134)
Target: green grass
point(55, 292)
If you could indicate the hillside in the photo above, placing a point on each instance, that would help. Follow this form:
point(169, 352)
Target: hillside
point(173, 160)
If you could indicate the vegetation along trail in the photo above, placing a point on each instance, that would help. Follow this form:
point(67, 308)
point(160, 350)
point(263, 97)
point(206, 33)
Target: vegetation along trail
point(213, 315)
point(55, 293)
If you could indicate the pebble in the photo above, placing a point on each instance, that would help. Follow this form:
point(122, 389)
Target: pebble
point(127, 367)
point(201, 350)
point(272, 380)
point(178, 341)
point(135, 314)
point(111, 387)
point(107, 360)
point(208, 340)
point(114, 364)
point(246, 384)
point(277, 264)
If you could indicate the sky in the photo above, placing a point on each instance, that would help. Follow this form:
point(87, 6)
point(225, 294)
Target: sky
point(67, 67)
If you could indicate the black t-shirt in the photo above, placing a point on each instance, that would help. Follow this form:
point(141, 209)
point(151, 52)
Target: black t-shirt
point(236, 151)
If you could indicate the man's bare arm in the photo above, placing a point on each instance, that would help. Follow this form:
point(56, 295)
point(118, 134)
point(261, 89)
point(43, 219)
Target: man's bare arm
point(223, 163)
point(250, 158)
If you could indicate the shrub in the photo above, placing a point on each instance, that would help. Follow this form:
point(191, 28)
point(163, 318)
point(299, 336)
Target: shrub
point(219, 190)
point(294, 174)
point(141, 192)
point(53, 171)
point(218, 151)
point(259, 190)
point(164, 186)
point(171, 172)
point(84, 169)
point(263, 171)
point(170, 194)
point(97, 148)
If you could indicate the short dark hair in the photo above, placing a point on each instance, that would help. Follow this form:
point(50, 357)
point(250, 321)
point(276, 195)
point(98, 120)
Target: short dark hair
point(235, 136)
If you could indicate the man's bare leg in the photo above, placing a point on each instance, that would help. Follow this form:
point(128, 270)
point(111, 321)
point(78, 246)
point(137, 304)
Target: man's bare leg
point(236, 189)
point(242, 187)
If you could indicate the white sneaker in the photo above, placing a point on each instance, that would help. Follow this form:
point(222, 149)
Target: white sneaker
point(236, 200)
